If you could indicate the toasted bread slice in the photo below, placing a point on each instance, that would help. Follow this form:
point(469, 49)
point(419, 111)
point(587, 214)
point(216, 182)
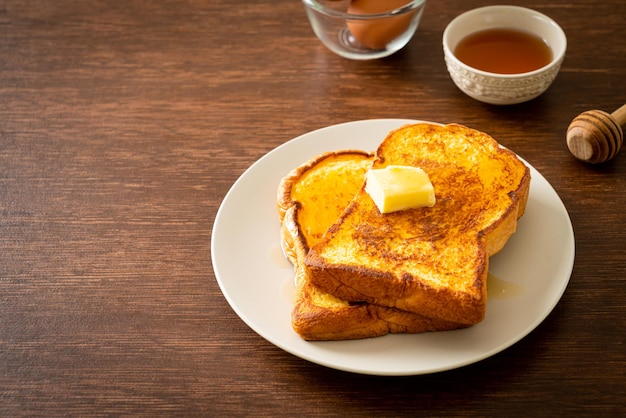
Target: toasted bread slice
point(310, 199)
point(430, 261)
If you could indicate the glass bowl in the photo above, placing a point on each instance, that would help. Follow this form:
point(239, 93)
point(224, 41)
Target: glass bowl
point(357, 30)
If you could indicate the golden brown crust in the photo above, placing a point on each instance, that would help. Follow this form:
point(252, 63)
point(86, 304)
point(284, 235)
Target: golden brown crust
point(430, 261)
point(326, 184)
point(361, 320)
point(335, 319)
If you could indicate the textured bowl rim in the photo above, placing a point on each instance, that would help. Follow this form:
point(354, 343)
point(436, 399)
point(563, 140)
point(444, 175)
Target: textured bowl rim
point(557, 59)
point(315, 5)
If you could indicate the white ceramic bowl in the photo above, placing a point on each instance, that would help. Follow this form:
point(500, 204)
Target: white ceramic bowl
point(363, 36)
point(503, 89)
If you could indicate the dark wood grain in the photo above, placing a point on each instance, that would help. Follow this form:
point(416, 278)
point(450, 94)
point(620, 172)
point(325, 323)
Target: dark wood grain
point(124, 123)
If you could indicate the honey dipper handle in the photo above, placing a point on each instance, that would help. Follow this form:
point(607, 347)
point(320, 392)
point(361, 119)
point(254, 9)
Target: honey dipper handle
point(620, 116)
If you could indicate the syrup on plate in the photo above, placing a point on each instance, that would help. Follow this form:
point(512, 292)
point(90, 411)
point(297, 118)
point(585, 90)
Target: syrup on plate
point(500, 289)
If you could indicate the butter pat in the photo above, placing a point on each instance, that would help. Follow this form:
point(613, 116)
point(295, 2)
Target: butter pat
point(398, 187)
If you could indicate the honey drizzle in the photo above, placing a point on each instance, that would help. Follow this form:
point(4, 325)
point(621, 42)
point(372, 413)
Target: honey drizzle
point(501, 289)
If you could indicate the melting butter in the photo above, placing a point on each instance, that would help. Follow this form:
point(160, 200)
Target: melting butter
point(395, 188)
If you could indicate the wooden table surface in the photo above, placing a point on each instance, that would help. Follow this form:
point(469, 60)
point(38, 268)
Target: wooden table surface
point(124, 123)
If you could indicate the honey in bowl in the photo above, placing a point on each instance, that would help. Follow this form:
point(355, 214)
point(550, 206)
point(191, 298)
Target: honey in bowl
point(504, 51)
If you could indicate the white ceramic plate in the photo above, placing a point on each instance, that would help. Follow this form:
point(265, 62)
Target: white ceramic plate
point(534, 268)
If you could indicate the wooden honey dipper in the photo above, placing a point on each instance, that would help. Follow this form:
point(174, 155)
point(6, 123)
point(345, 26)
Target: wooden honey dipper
point(595, 136)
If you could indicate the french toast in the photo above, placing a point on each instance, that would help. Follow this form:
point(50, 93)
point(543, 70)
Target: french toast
point(310, 198)
point(432, 261)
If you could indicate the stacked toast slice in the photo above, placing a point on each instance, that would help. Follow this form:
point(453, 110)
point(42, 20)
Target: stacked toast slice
point(361, 273)
point(310, 199)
